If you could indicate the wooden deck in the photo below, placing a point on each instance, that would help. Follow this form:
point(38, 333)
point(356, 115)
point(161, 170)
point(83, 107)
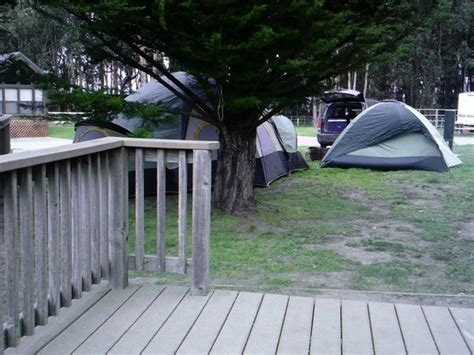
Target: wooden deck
point(152, 319)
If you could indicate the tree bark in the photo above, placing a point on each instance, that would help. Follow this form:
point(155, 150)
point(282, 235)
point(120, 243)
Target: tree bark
point(233, 185)
point(366, 79)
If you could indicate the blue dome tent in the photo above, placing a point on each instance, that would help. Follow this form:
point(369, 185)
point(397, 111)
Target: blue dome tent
point(277, 150)
point(390, 136)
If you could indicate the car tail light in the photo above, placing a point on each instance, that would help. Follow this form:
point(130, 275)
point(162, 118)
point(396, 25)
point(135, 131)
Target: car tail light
point(319, 124)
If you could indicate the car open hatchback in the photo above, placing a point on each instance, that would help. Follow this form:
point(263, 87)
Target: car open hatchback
point(340, 108)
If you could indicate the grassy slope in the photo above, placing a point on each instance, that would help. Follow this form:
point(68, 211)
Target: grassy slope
point(347, 229)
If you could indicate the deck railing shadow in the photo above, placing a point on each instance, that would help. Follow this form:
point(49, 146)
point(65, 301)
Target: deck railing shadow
point(65, 223)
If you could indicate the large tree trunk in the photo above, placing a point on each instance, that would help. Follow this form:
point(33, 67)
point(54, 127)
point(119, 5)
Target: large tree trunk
point(233, 185)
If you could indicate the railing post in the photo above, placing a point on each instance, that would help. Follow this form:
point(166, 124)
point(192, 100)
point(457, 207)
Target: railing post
point(201, 221)
point(11, 233)
point(139, 210)
point(26, 251)
point(118, 218)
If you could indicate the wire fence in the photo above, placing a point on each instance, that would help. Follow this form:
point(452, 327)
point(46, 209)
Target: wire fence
point(434, 115)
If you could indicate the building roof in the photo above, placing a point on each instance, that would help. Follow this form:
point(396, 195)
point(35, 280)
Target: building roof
point(19, 56)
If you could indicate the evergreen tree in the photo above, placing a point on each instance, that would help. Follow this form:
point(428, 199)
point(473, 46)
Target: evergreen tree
point(252, 58)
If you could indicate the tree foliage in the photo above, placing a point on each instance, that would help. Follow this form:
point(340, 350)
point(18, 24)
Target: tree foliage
point(260, 54)
point(251, 58)
point(430, 68)
point(102, 106)
point(56, 46)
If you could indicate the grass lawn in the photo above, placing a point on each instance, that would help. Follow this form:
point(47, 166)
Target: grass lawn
point(306, 130)
point(403, 231)
point(61, 130)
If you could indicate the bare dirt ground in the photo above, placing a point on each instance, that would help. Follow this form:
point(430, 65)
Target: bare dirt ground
point(391, 241)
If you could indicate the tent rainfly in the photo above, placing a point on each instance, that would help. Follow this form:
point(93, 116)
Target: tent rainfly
point(277, 150)
point(391, 136)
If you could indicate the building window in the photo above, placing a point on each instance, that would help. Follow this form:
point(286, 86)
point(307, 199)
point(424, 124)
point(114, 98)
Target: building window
point(21, 100)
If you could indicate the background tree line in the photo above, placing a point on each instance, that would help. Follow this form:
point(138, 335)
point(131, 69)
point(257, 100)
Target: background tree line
point(57, 48)
point(429, 70)
point(433, 65)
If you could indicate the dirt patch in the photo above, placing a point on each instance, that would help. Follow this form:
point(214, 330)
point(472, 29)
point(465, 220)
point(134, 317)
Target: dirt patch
point(355, 254)
point(426, 194)
point(465, 230)
point(395, 250)
point(386, 228)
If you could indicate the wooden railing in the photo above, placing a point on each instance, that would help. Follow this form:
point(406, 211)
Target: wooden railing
point(65, 223)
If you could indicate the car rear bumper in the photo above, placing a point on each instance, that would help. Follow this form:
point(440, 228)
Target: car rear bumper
point(327, 138)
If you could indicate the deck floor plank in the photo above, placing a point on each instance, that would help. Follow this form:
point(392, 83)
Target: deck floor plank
point(266, 331)
point(465, 321)
point(417, 335)
point(445, 332)
point(326, 336)
point(235, 332)
point(296, 332)
point(153, 319)
point(143, 330)
point(100, 341)
point(208, 325)
point(77, 332)
point(57, 324)
point(356, 333)
point(170, 336)
point(385, 329)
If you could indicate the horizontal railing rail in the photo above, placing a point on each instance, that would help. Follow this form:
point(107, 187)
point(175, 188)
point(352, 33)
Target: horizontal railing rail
point(66, 217)
point(436, 115)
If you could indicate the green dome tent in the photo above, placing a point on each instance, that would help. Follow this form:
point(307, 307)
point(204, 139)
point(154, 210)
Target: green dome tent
point(390, 136)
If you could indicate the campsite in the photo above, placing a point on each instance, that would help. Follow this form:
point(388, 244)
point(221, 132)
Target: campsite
point(276, 155)
point(333, 231)
point(390, 236)
point(231, 177)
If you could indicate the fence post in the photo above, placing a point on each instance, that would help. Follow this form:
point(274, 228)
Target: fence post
point(201, 221)
point(449, 128)
point(436, 118)
point(118, 218)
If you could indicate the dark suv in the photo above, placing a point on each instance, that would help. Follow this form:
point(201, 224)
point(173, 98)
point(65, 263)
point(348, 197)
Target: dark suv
point(341, 107)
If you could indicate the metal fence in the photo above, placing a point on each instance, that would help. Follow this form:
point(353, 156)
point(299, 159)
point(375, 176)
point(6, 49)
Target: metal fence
point(434, 115)
point(299, 120)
